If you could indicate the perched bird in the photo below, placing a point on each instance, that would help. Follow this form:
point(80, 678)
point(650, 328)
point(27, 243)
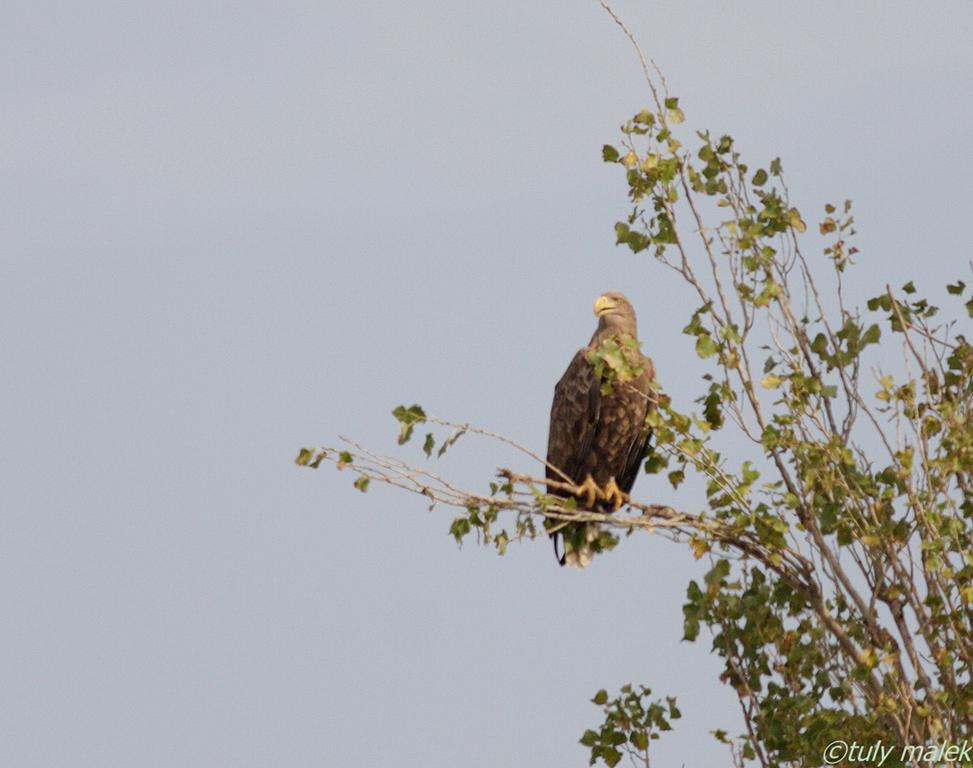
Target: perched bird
point(598, 435)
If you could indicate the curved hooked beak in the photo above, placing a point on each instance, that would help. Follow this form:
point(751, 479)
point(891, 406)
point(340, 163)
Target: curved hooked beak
point(604, 305)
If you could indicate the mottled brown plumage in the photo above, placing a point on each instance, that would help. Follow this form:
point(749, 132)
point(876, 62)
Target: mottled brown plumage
point(600, 434)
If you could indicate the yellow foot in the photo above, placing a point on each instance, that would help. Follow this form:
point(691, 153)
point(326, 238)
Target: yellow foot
point(612, 493)
point(589, 490)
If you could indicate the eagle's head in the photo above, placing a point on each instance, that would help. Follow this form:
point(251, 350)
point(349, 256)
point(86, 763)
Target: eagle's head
point(613, 309)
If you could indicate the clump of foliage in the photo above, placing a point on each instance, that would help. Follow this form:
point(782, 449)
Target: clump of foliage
point(840, 588)
point(632, 722)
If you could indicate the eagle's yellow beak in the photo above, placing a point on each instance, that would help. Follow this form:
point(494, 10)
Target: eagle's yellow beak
point(603, 305)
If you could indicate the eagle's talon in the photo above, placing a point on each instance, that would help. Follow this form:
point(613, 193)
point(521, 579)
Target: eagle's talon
point(589, 490)
point(612, 493)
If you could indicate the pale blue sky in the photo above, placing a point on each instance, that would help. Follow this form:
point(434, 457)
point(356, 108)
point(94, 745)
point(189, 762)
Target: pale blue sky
point(231, 230)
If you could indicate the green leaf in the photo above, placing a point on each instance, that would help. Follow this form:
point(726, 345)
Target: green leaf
point(820, 346)
point(871, 335)
point(600, 698)
point(429, 444)
point(611, 756)
point(695, 326)
point(304, 457)
point(881, 301)
point(690, 628)
point(909, 287)
point(795, 220)
point(655, 464)
point(730, 332)
point(705, 346)
point(609, 154)
point(362, 483)
point(459, 529)
point(956, 288)
point(759, 178)
point(408, 418)
point(676, 116)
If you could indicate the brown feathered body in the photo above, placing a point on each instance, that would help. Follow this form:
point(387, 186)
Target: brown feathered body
point(601, 431)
